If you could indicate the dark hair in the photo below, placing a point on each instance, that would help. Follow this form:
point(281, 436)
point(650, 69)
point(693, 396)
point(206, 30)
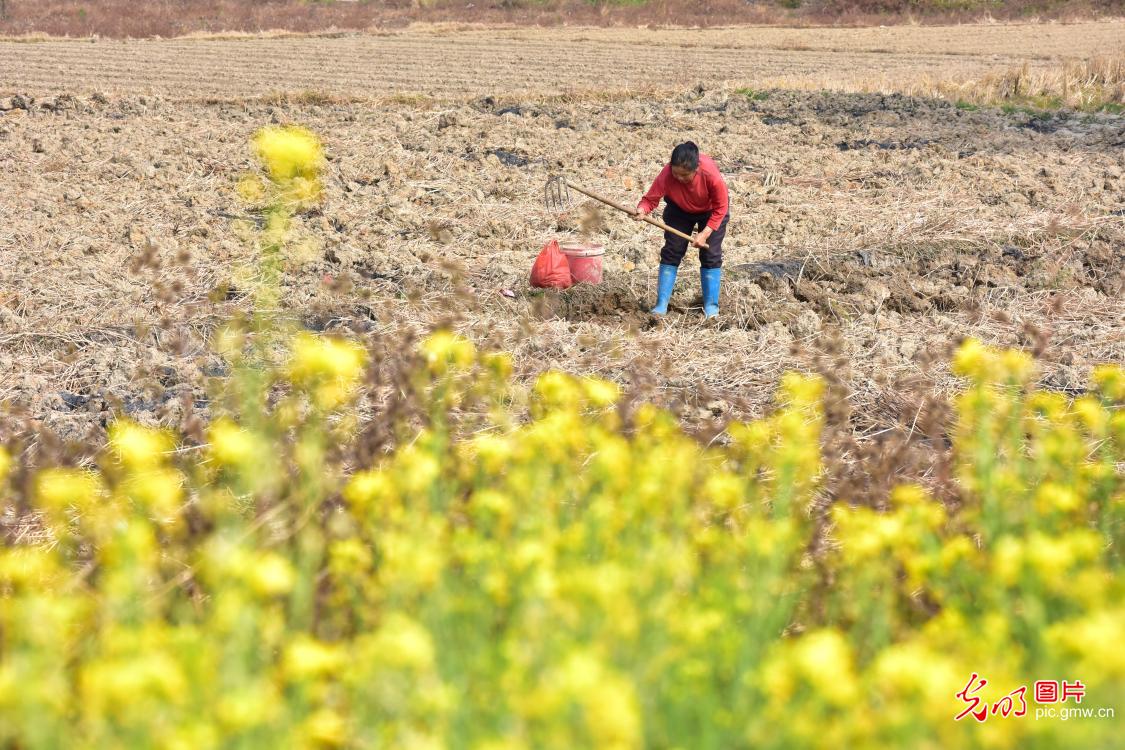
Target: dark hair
point(686, 155)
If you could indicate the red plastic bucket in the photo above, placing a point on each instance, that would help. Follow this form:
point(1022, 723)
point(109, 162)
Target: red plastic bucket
point(585, 259)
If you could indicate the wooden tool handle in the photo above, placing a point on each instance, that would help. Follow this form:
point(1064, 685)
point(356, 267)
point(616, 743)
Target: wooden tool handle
point(619, 207)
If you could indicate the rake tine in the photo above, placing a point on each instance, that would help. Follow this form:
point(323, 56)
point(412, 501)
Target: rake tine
point(556, 194)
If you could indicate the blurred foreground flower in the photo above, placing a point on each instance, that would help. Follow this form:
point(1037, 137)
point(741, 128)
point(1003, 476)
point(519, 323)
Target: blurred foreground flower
point(329, 368)
point(289, 152)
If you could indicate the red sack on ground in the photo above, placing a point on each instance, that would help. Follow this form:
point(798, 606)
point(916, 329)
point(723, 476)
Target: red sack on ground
point(551, 271)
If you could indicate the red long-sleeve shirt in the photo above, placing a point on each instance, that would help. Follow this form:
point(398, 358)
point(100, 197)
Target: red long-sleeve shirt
point(707, 192)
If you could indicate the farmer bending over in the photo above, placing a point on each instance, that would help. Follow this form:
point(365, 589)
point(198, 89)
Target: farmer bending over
point(696, 198)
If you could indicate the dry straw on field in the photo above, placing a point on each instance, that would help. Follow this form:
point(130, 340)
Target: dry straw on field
point(1085, 85)
point(1088, 85)
point(898, 223)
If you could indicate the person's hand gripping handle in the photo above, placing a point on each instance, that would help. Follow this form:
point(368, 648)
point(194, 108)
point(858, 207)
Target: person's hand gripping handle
point(700, 240)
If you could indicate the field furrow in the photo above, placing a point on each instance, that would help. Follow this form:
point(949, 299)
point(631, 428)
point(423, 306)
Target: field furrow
point(523, 61)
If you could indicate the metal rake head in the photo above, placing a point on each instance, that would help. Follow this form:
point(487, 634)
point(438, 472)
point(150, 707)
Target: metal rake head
point(556, 194)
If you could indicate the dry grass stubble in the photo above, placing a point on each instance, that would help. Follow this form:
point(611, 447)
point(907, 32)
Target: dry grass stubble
point(896, 225)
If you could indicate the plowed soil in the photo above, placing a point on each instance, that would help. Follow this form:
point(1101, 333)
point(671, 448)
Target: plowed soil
point(887, 225)
point(451, 63)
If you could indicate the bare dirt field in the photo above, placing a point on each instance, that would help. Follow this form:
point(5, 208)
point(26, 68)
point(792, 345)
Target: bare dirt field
point(878, 226)
point(455, 62)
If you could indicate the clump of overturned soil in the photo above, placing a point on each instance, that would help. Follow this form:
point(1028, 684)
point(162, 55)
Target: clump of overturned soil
point(616, 301)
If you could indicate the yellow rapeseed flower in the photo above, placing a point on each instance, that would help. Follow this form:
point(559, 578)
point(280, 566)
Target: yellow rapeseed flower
point(771, 539)
point(752, 437)
point(493, 452)
point(973, 360)
point(417, 470)
point(1045, 408)
point(821, 659)
point(1054, 558)
point(56, 489)
point(1092, 415)
point(601, 393)
point(158, 490)
point(306, 658)
point(249, 706)
point(138, 447)
point(1016, 366)
point(505, 743)
point(1007, 560)
point(319, 358)
point(325, 728)
point(134, 547)
point(557, 390)
point(612, 462)
point(1117, 426)
point(778, 680)
point(495, 504)
point(917, 507)
point(612, 713)
point(367, 490)
point(1110, 381)
point(1053, 496)
point(289, 152)
point(656, 424)
point(350, 557)
point(954, 551)
point(405, 643)
point(798, 444)
point(116, 687)
point(271, 575)
point(5, 463)
point(697, 626)
point(1085, 639)
point(1051, 557)
point(496, 584)
point(915, 669)
point(801, 391)
point(530, 553)
point(33, 568)
point(865, 534)
point(499, 364)
point(824, 659)
point(231, 445)
point(444, 350)
point(724, 490)
point(910, 496)
point(409, 562)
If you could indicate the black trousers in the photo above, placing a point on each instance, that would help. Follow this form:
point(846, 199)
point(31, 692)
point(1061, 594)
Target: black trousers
point(675, 247)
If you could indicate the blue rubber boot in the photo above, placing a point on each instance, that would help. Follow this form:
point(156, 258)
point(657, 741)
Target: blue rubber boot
point(709, 279)
point(664, 284)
